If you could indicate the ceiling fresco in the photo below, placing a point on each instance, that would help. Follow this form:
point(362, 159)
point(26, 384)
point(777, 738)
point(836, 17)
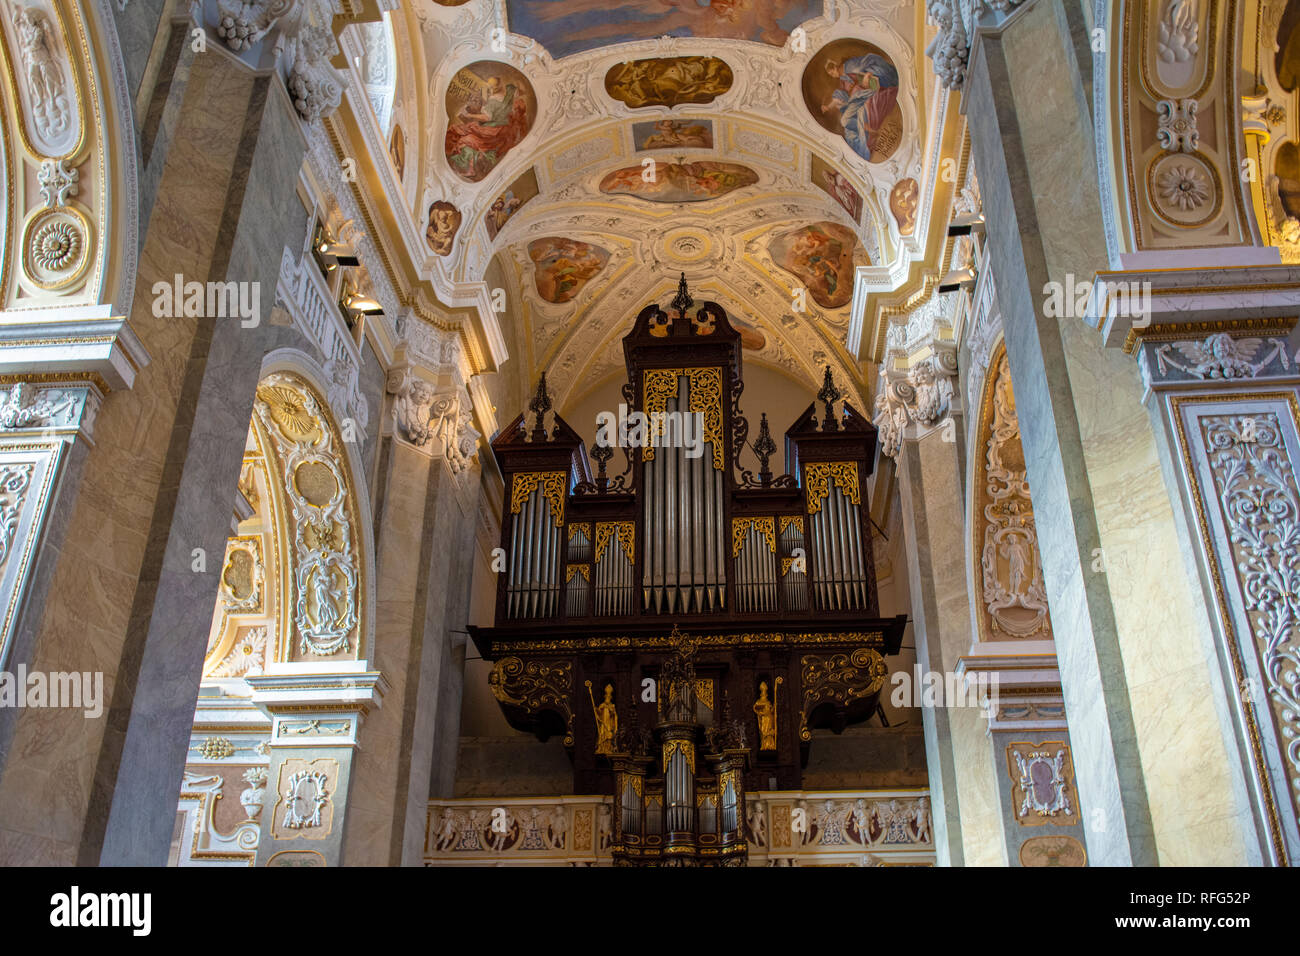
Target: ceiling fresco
point(586, 154)
point(565, 27)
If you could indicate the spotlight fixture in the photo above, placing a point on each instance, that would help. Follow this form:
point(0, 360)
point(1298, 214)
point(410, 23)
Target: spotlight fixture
point(355, 304)
point(337, 254)
point(329, 253)
point(957, 279)
point(965, 223)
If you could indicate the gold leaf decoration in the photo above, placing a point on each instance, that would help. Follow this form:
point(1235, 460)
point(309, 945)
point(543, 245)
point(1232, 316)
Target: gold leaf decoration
point(819, 474)
point(553, 487)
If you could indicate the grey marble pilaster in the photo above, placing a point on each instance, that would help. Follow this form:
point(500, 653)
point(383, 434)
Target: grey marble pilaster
point(1038, 228)
point(132, 801)
point(932, 526)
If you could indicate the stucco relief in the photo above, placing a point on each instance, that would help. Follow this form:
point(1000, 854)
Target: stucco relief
point(1009, 575)
point(326, 562)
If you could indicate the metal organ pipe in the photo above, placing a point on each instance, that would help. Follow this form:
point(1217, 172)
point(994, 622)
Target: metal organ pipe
point(547, 570)
point(716, 542)
point(838, 558)
point(711, 530)
point(683, 563)
point(859, 559)
point(824, 592)
point(697, 532)
point(512, 591)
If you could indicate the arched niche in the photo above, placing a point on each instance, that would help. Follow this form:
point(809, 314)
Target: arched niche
point(294, 584)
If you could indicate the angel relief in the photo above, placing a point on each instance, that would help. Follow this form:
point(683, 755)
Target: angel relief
point(1219, 356)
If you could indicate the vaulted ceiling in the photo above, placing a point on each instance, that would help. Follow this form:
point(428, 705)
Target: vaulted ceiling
point(577, 156)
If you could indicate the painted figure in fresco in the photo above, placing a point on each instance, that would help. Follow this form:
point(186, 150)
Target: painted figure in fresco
point(819, 255)
point(842, 192)
point(444, 220)
point(679, 182)
point(670, 133)
point(865, 94)
point(670, 81)
point(563, 266)
point(501, 211)
point(766, 719)
point(486, 128)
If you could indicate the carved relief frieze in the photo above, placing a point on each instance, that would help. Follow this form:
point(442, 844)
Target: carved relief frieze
point(1221, 356)
point(917, 379)
point(1177, 133)
point(437, 420)
point(46, 82)
point(305, 807)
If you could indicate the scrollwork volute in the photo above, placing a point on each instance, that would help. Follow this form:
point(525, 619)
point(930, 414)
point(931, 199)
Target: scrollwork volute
point(535, 686)
point(840, 679)
point(439, 420)
point(1254, 479)
point(924, 395)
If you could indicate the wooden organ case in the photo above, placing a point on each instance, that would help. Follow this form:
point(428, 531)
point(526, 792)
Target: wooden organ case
point(685, 625)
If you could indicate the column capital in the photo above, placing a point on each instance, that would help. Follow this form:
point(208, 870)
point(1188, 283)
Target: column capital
point(916, 380)
point(298, 34)
point(958, 21)
point(325, 701)
point(1229, 327)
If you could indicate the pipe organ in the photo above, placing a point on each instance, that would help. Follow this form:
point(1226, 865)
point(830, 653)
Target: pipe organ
point(686, 624)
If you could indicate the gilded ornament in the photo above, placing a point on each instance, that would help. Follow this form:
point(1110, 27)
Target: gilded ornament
point(819, 474)
point(839, 678)
point(606, 719)
point(626, 531)
point(553, 487)
point(742, 526)
point(705, 398)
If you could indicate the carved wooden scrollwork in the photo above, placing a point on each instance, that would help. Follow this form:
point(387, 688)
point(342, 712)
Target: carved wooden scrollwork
point(840, 679)
point(535, 686)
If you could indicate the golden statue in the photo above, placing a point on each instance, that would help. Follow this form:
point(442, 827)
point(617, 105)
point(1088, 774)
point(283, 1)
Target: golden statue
point(766, 711)
point(606, 720)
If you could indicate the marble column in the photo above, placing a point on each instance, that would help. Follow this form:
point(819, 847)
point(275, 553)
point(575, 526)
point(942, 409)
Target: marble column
point(317, 713)
point(135, 572)
point(1152, 764)
point(427, 489)
point(1216, 356)
point(920, 422)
